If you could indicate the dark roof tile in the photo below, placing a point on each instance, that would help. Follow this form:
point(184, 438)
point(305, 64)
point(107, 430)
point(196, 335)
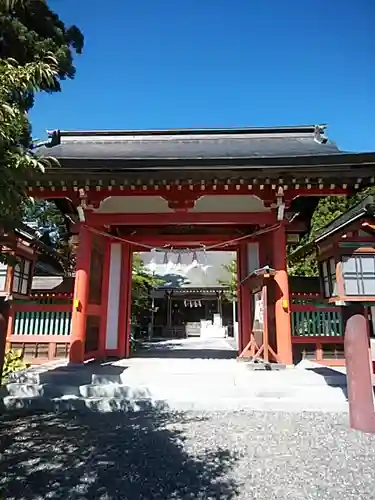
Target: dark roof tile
point(222, 144)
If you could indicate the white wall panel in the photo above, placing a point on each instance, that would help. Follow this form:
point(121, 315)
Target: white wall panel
point(111, 340)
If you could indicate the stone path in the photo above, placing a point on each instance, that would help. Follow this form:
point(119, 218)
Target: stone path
point(188, 449)
point(180, 375)
point(185, 456)
point(205, 375)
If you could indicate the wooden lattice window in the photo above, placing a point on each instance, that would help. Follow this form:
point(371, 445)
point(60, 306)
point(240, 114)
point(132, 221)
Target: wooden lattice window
point(3, 276)
point(328, 272)
point(21, 276)
point(359, 274)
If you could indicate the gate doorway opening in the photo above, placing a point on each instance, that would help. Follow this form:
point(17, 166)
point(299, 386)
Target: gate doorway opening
point(177, 310)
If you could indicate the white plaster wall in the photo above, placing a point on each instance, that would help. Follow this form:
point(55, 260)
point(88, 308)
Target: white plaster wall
point(133, 205)
point(229, 203)
point(111, 340)
point(156, 204)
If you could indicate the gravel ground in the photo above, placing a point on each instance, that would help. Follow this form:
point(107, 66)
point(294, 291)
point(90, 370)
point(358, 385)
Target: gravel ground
point(185, 456)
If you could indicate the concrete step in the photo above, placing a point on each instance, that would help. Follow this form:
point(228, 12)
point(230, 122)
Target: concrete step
point(86, 391)
point(171, 389)
point(106, 405)
point(47, 390)
point(114, 391)
point(56, 377)
point(72, 377)
point(69, 403)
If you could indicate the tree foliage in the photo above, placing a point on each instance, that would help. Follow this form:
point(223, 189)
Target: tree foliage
point(16, 156)
point(51, 228)
point(36, 53)
point(328, 209)
point(142, 285)
point(231, 282)
point(30, 31)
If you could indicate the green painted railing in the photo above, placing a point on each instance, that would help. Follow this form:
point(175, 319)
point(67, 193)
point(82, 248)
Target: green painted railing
point(313, 321)
point(42, 323)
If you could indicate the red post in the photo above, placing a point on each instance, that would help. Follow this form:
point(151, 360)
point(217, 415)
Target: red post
point(282, 307)
point(243, 300)
point(129, 310)
point(358, 373)
point(246, 298)
point(125, 301)
point(239, 305)
point(4, 318)
point(104, 299)
point(80, 297)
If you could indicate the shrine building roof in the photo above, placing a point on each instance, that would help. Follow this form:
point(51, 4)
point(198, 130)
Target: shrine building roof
point(185, 144)
point(364, 209)
point(291, 156)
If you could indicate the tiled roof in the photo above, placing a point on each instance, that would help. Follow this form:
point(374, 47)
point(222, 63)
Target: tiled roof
point(365, 207)
point(191, 144)
point(206, 275)
point(362, 208)
point(52, 284)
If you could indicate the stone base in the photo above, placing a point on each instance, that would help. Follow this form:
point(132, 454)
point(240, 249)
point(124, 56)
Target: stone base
point(260, 365)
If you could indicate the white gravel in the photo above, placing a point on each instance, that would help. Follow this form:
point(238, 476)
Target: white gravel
point(190, 456)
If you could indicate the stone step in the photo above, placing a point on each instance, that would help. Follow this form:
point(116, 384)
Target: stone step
point(68, 403)
point(86, 391)
point(47, 390)
point(169, 389)
point(114, 391)
point(57, 377)
point(66, 377)
point(106, 405)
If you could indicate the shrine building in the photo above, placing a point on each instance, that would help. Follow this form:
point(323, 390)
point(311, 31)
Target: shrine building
point(249, 191)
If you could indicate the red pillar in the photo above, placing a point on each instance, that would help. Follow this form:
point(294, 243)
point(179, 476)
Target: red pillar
point(358, 371)
point(104, 302)
point(80, 298)
point(4, 328)
point(124, 324)
point(243, 299)
point(239, 303)
point(282, 307)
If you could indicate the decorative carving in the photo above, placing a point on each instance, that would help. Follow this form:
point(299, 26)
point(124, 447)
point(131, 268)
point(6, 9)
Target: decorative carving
point(183, 204)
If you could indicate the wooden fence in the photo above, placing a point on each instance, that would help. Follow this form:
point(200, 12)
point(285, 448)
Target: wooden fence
point(40, 330)
point(318, 333)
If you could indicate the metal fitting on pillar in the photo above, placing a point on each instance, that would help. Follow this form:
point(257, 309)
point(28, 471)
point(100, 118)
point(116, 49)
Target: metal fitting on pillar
point(280, 204)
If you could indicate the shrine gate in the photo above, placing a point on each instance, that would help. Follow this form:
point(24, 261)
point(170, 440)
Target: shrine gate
point(248, 190)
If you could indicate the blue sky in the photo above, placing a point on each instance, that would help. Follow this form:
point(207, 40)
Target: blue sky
point(219, 63)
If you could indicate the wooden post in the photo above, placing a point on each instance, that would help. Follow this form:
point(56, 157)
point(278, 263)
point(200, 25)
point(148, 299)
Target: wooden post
point(169, 310)
point(125, 301)
point(282, 308)
point(104, 299)
point(80, 298)
point(265, 325)
point(358, 373)
point(243, 300)
point(4, 317)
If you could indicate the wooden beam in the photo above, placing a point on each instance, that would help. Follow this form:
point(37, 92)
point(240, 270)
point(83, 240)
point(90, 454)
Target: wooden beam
point(263, 188)
point(182, 218)
point(181, 239)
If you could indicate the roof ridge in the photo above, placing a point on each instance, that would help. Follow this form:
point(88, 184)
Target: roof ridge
point(191, 131)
